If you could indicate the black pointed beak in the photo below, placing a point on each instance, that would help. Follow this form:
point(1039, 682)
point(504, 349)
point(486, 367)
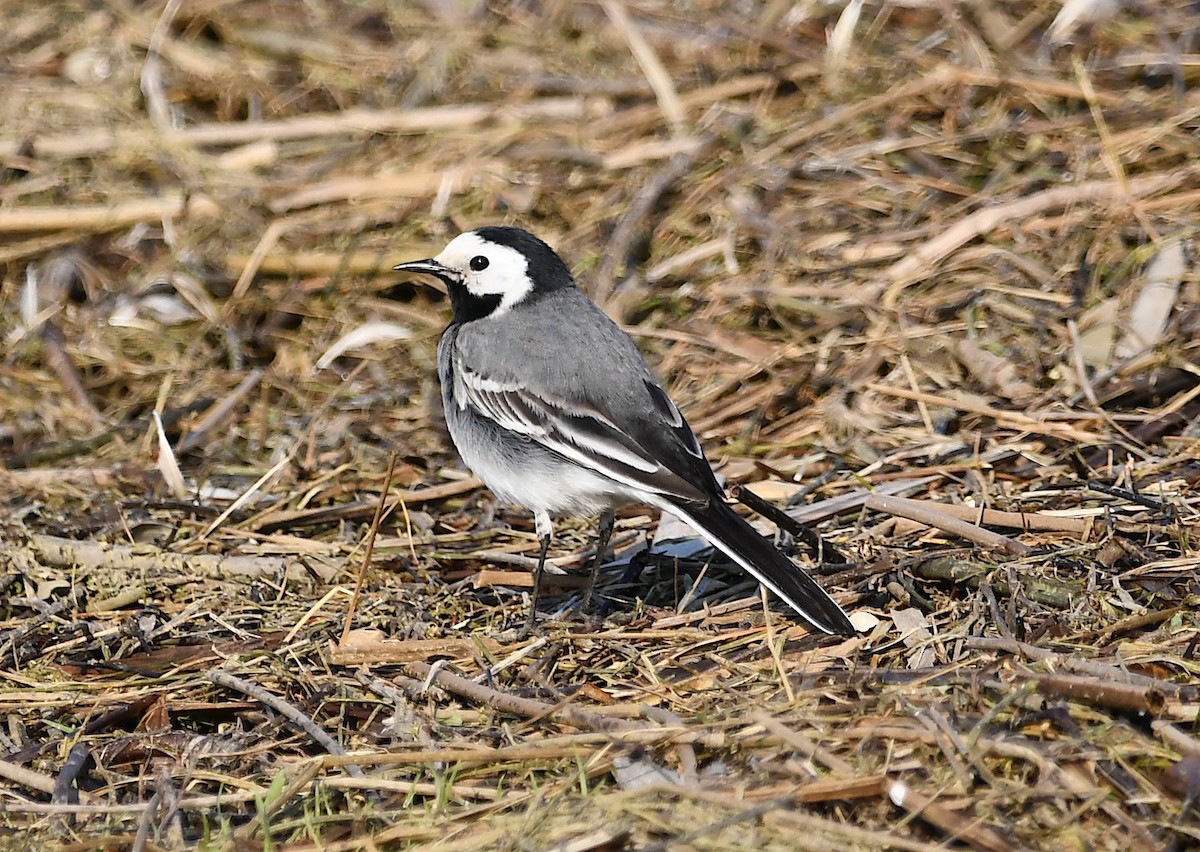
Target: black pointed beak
point(430, 266)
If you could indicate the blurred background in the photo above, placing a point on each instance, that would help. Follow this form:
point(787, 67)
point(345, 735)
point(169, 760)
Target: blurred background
point(800, 207)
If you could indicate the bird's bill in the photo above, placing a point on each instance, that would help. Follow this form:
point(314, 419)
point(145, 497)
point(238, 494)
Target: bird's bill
point(429, 266)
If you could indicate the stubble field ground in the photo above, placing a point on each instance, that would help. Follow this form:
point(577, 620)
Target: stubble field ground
point(922, 274)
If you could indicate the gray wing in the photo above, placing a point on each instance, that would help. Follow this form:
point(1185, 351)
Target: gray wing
point(590, 398)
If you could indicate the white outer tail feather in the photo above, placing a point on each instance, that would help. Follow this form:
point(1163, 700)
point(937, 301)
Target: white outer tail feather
point(744, 563)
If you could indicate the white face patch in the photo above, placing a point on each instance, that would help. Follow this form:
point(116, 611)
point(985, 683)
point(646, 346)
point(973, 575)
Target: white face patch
point(488, 269)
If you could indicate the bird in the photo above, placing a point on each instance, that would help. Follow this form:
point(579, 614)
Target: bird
point(549, 402)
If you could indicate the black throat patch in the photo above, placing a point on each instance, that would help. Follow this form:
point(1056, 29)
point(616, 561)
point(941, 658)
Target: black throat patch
point(468, 307)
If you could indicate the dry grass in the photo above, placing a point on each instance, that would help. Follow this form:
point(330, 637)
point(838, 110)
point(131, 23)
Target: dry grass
point(932, 285)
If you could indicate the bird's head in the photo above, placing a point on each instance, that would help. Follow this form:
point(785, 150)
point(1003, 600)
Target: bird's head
point(491, 270)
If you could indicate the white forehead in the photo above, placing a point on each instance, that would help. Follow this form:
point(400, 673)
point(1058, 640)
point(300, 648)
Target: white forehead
point(462, 249)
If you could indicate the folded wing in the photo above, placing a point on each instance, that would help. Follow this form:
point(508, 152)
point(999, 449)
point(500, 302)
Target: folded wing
point(581, 432)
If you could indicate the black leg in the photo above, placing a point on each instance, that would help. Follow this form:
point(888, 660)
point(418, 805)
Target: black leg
point(606, 528)
point(544, 537)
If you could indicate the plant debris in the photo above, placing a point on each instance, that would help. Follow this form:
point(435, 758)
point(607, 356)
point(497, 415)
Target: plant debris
point(923, 276)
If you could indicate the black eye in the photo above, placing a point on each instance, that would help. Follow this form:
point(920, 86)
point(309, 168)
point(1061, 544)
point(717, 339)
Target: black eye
point(479, 263)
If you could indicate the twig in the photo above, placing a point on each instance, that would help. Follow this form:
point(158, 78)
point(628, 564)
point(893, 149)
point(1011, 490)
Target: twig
point(1176, 738)
point(942, 75)
point(348, 122)
point(511, 660)
point(390, 186)
point(801, 743)
point(822, 551)
point(1072, 663)
point(852, 501)
point(363, 647)
point(774, 648)
point(523, 579)
point(355, 262)
point(402, 787)
point(574, 716)
point(107, 217)
point(570, 747)
point(656, 73)
point(686, 752)
point(145, 820)
point(283, 708)
point(632, 225)
point(370, 548)
point(971, 831)
point(1132, 622)
point(1009, 419)
point(577, 717)
point(195, 803)
point(920, 261)
point(680, 619)
point(925, 513)
point(64, 368)
point(34, 780)
point(218, 415)
point(249, 494)
point(69, 449)
point(1109, 153)
point(1047, 591)
point(96, 556)
point(354, 511)
point(688, 840)
point(1102, 692)
point(266, 241)
point(95, 477)
point(1126, 494)
point(821, 790)
point(832, 833)
point(1015, 520)
point(170, 820)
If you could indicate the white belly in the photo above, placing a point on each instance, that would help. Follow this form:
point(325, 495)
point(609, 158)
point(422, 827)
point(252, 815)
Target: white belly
point(534, 478)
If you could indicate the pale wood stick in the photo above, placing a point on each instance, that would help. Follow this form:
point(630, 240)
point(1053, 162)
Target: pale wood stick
point(656, 73)
point(1017, 520)
point(34, 780)
point(1008, 419)
point(92, 556)
point(351, 121)
point(923, 259)
point(417, 184)
point(973, 831)
point(312, 263)
point(106, 217)
point(929, 513)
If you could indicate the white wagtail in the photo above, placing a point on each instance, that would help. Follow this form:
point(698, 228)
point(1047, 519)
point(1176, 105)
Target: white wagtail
point(552, 405)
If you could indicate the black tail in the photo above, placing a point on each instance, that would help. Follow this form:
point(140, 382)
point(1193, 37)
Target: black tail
point(728, 532)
